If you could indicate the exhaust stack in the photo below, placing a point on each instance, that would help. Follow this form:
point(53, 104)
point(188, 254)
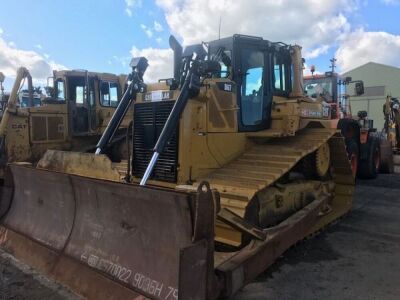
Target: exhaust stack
point(177, 48)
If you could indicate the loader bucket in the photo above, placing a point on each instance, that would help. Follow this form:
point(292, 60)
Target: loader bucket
point(109, 240)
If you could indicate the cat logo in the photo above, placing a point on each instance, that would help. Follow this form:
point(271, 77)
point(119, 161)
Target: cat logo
point(18, 126)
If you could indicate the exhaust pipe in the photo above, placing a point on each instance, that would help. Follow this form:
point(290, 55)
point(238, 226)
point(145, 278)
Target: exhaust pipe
point(177, 48)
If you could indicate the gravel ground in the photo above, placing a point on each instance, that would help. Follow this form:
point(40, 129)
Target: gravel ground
point(356, 258)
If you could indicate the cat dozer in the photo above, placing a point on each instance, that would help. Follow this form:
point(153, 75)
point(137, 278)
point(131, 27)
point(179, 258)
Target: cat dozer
point(73, 117)
point(231, 165)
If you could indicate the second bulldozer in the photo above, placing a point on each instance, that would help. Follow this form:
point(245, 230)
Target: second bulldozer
point(73, 118)
point(231, 165)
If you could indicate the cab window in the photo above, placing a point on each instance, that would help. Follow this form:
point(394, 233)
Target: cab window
point(80, 94)
point(280, 80)
point(252, 91)
point(282, 75)
point(109, 94)
point(60, 90)
point(77, 89)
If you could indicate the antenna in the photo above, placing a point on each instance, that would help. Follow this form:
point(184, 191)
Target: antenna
point(219, 28)
point(333, 65)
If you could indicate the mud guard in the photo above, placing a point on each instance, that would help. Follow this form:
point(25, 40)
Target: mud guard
point(145, 239)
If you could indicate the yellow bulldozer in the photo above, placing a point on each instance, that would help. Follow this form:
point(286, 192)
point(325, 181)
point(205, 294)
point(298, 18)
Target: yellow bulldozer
point(231, 164)
point(73, 118)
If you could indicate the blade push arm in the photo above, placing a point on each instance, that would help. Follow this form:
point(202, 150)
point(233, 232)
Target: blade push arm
point(136, 85)
point(190, 88)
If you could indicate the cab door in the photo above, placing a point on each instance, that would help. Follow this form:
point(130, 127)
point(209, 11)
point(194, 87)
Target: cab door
point(109, 96)
point(79, 104)
point(254, 88)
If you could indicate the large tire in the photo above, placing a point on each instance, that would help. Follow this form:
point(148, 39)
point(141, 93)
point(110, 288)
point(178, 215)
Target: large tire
point(369, 166)
point(353, 155)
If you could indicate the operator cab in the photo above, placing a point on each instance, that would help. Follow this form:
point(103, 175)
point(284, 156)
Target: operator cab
point(251, 62)
point(84, 93)
point(322, 86)
point(331, 88)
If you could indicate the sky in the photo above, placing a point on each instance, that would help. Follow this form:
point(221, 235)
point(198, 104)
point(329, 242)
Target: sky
point(103, 35)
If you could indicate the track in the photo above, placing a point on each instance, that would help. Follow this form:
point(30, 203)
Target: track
point(266, 162)
point(354, 258)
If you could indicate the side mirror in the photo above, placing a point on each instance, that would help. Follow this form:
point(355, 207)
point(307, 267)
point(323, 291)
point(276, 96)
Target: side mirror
point(359, 88)
point(348, 79)
point(362, 114)
point(2, 77)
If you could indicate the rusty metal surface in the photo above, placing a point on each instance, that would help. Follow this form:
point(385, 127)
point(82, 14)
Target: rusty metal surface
point(139, 237)
point(43, 206)
point(6, 192)
point(193, 271)
point(126, 231)
point(80, 278)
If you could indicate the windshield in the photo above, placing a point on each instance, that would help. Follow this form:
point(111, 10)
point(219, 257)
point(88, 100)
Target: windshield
point(24, 99)
point(319, 87)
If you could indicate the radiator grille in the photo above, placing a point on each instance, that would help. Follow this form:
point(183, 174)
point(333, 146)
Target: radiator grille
point(47, 128)
point(149, 120)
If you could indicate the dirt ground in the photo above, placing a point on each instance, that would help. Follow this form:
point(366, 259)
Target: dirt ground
point(356, 258)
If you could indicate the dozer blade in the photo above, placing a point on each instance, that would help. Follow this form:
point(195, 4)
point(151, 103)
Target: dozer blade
point(109, 240)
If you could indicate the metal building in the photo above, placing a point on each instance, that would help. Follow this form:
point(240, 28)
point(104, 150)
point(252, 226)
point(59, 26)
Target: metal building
point(379, 80)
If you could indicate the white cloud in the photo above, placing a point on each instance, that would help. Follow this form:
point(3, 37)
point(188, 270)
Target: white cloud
point(310, 23)
point(1, 31)
point(361, 47)
point(159, 40)
point(158, 27)
point(160, 62)
point(147, 30)
point(130, 5)
point(316, 25)
point(11, 58)
point(316, 52)
point(39, 46)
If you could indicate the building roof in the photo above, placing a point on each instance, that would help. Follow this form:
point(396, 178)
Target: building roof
point(371, 63)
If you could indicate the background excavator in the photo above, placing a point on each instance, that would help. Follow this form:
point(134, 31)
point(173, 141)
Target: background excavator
point(72, 118)
point(368, 151)
point(231, 165)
